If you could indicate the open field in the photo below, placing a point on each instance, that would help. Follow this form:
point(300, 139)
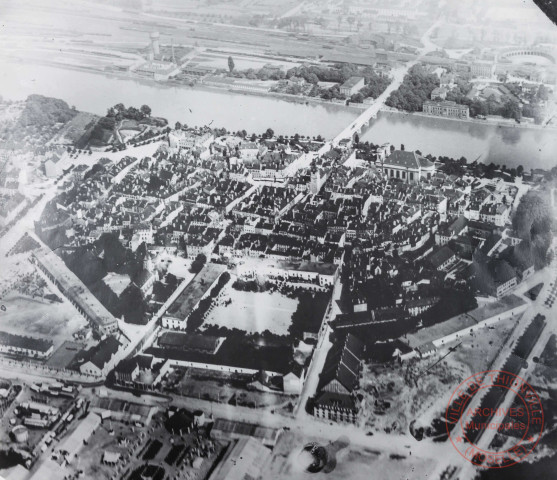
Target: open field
point(253, 312)
point(351, 462)
point(420, 388)
point(40, 318)
point(240, 62)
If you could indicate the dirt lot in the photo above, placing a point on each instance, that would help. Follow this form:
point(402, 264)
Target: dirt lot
point(396, 394)
point(252, 311)
point(225, 388)
point(41, 318)
point(351, 462)
point(65, 355)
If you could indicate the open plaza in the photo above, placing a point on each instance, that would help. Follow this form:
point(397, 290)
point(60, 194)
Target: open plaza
point(252, 312)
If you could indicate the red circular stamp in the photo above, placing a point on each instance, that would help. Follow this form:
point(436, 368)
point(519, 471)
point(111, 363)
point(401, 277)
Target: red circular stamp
point(494, 419)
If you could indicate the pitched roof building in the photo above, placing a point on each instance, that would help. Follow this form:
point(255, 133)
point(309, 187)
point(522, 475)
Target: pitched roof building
point(408, 166)
point(97, 359)
point(340, 379)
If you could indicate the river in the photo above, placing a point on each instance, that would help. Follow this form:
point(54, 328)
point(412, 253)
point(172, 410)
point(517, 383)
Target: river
point(92, 92)
point(512, 146)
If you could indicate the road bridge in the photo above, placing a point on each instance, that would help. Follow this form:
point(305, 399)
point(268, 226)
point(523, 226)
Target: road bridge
point(398, 76)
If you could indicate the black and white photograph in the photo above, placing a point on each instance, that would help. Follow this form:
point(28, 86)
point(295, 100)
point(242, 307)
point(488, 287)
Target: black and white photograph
point(278, 240)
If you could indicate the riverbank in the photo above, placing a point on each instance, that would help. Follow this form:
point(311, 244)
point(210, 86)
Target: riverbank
point(301, 100)
point(287, 97)
point(92, 92)
point(487, 122)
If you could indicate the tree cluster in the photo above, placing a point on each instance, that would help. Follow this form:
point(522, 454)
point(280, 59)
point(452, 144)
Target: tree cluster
point(198, 263)
point(415, 89)
point(45, 111)
point(120, 112)
point(196, 318)
point(534, 222)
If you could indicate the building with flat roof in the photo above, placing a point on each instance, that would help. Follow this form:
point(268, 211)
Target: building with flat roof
point(76, 292)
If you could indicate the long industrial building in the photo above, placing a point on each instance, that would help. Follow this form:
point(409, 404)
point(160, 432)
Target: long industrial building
point(76, 292)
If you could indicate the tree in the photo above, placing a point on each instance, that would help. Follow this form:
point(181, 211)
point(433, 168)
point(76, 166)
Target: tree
point(511, 109)
point(132, 305)
point(145, 110)
point(230, 63)
point(534, 221)
point(542, 93)
point(198, 263)
point(350, 21)
point(356, 139)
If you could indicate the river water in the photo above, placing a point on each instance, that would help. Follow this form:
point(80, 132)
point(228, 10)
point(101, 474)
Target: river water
point(93, 92)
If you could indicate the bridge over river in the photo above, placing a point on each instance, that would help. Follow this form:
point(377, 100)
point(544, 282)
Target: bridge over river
point(398, 76)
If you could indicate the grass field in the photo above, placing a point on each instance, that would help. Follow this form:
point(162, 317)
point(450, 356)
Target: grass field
point(253, 311)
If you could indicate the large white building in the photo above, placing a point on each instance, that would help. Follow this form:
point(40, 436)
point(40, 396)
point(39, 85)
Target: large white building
point(445, 108)
point(408, 166)
point(190, 140)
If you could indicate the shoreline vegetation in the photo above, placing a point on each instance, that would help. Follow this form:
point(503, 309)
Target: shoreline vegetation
point(302, 100)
